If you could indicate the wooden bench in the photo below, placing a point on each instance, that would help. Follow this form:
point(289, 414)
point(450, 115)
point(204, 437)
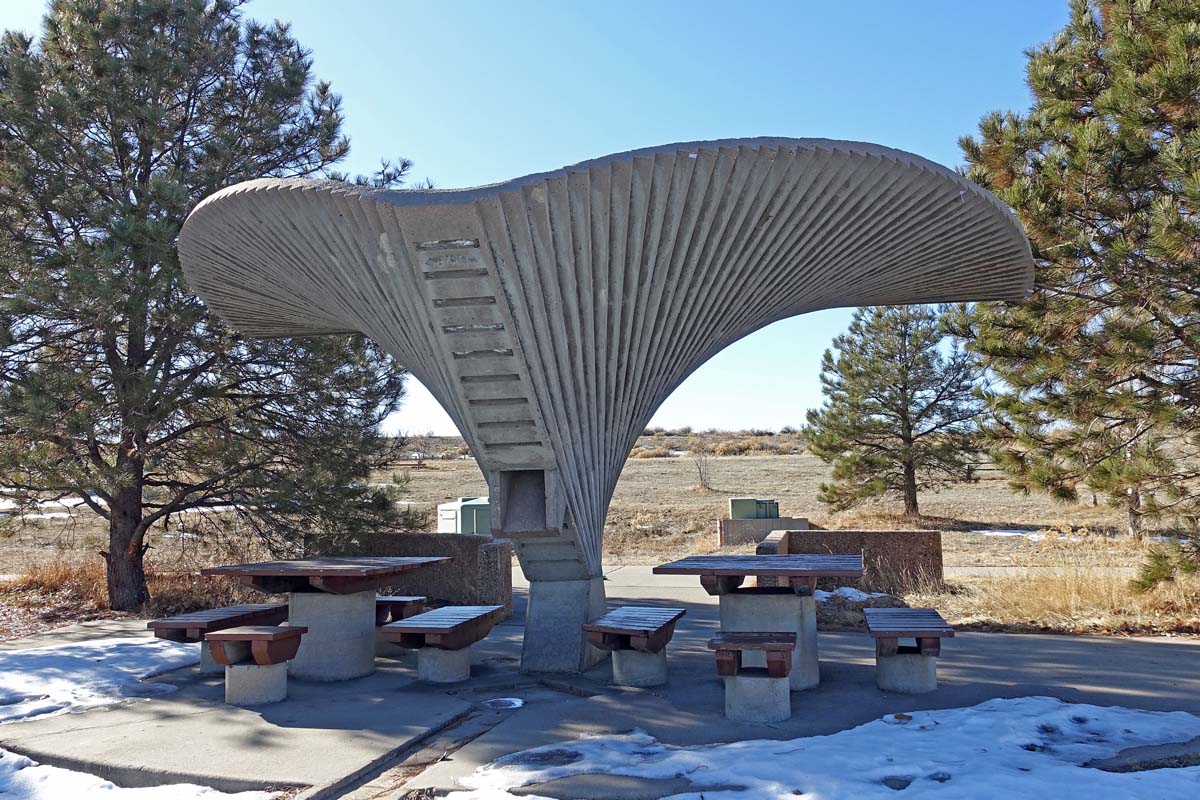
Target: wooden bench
point(443, 638)
point(755, 694)
point(778, 648)
point(195, 627)
point(637, 637)
point(909, 669)
point(393, 608)
point(255, 659)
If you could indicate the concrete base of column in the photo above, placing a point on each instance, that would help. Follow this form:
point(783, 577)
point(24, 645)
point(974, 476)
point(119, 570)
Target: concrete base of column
point(443, 666)
point(207, 665)
point(781, 611)
point(635, 668)
point(906, 673)
point(554, 639)
point(340, 643)
point(252, 685)
point(757, 698)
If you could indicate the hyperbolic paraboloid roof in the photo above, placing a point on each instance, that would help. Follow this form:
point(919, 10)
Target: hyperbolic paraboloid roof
point(552, 314)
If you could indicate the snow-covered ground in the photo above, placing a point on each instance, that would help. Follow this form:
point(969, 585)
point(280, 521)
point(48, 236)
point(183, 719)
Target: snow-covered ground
point(74, 677)
point(1031, 747)
point(22, 779)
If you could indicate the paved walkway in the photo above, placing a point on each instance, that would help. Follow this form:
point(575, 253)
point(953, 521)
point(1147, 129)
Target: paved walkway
point(339, 738)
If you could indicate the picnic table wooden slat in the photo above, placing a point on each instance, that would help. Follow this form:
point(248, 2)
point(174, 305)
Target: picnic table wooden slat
point(801, 564)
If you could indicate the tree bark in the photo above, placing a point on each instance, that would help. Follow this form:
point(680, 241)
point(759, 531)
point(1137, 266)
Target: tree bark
point(1134, 513)
point(910, 490)
point(127, 589)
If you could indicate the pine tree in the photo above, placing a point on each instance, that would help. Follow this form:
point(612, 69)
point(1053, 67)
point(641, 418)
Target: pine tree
point(1099, 368)
point(116, 385)
point(899, 410)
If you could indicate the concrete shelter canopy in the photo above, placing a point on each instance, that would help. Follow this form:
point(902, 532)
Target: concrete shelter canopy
point(551, 315)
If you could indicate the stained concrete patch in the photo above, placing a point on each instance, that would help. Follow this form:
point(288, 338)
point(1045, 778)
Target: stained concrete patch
point(1172, 755)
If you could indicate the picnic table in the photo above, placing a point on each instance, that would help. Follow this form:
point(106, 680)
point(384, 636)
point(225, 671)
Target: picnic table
point(334, 598)
point(770, 609)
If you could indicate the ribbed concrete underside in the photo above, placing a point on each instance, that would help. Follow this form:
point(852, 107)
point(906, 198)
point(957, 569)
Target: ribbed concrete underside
point(552, 315)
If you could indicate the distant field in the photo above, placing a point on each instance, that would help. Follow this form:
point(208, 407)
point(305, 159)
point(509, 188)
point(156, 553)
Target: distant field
point(659, 509)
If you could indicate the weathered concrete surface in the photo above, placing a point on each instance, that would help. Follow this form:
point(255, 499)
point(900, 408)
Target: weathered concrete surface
point(752, 531)
point(893, 561)
point(552, 314)
point(906, 673)
point(443, 666)
point(757, 698)
point(554, 618)
point(340, 642)
point(640, 670)
point(252, 685)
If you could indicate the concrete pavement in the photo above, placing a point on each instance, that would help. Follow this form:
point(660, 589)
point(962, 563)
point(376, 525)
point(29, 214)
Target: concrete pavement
point(395, 735)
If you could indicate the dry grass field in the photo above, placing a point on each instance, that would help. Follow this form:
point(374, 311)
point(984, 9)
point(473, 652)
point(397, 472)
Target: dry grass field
point(1074, 580)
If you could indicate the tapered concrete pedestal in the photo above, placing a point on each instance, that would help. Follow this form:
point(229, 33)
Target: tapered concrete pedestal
point(906, 672)
point(435, 665)
point(638, 669)
point(340, 643)
point(252, 685)
point(754, 696)
point(554, 638)
point(776, 610)
point(207, 665)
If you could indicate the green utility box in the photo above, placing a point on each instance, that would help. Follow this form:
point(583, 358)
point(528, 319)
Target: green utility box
point(466, 515)
point(753, 508)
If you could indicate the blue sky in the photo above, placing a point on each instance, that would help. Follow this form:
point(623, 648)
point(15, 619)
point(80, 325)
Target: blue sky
point(479, 92)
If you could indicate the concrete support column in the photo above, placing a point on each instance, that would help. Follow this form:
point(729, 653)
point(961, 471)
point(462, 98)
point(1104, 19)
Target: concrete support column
point(757, 698)
point(635, 668)
point(906, 673)
point(207, 665)
point(252, 685)
point(776, 611)
point(443, 666)
point(554, 640)
point(340, 643)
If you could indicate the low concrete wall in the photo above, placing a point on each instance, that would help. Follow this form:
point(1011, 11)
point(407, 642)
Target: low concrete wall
point(893, 561)
point(752, 531)
point(480, 573)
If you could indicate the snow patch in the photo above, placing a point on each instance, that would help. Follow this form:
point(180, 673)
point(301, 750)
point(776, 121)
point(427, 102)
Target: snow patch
point(62, 678)
point(846, 593)
point(997, 750)
point(23, 778)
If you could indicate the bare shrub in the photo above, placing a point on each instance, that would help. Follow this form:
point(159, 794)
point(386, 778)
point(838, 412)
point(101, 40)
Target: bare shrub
point(699, 452)
point(650, 452)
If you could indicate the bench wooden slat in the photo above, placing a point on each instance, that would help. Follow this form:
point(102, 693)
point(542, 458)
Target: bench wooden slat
point(264, 644)
point(753, 641)
point(633, 620)
point(895, 623)
point(449, 628)
point(196, 625)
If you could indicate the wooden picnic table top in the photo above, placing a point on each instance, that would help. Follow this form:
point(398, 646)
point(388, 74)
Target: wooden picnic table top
point(332, 574)
point(805, 565)
point(330, 566)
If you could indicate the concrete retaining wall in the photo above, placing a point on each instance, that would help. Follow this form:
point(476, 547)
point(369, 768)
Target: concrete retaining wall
point(753, 531)
point(892, 560)
point(480, 573)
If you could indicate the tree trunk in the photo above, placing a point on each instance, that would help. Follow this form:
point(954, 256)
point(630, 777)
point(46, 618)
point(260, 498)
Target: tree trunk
point(126, 574)
point(910, 490)
point(1134, 513)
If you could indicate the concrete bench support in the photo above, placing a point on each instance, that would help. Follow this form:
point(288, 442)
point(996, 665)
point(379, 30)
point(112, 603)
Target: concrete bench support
point(755, 694)
point(340, 643)
point(907, 669)
point(252, 685)
point(637, 636)
point(443, 666)
point(641, 670)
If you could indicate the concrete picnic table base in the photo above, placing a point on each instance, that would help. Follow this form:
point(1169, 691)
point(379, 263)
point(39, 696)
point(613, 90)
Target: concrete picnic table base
point(776, 611)
point(340, 642)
